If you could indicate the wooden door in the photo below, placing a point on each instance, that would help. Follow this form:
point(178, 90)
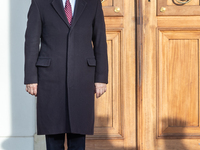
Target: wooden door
point(168, 75)
point(115, 117)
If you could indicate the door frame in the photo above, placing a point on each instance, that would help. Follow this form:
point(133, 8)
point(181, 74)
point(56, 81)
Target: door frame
point(139, 71)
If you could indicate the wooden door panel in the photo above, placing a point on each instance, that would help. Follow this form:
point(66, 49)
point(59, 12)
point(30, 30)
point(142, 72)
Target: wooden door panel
point(175, 8)
point(168, 104)
point(177, 22)
point(183, 144)
point(174, 2)
point(115, 118)
point(107, 3)
point(178, 87)
point(113, 7)
point(109, 107)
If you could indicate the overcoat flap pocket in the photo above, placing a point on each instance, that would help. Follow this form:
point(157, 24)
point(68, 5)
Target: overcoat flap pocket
point(91, 61)
point(43, 62)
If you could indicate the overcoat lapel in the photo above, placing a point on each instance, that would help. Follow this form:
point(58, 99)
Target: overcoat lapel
point(78, 10)
point(58, 6)
point(79, 7)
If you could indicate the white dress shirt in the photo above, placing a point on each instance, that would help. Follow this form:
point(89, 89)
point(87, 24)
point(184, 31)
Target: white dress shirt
point(72, 4)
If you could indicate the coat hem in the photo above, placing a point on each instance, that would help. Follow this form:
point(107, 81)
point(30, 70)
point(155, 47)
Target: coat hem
point(50, 133)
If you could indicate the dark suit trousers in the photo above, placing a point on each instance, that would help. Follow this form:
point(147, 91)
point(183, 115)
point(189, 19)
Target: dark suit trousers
point(74, 141)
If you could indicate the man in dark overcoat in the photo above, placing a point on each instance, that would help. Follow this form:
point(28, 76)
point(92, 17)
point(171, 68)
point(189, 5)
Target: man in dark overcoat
point(65, 64)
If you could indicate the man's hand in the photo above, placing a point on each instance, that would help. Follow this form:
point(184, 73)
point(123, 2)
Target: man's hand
point(100, 88)
point(32, 88)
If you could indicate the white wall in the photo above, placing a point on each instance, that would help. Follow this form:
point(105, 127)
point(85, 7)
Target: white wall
point(17, 108)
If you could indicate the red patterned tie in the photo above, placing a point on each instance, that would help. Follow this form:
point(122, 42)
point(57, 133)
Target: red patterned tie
point(68, 11)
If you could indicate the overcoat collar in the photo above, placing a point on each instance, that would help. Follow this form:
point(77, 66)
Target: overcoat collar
point(78, 10)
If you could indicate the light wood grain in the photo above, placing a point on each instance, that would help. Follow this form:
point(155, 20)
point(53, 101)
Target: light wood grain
point(174, 8)
point(193, 2)
point(147, 103)
point(107, 3)
point(115, 111)
point(179, 22)
point(110, 5)
point(178, 80)
point(108, 107)
point(168, 101)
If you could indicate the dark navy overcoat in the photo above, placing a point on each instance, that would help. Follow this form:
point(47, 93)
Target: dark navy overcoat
point(65, 61)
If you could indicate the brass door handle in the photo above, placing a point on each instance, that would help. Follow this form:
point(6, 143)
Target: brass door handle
point(102, 1)
point(117, 9)
point(187, 1)
point(162, 9)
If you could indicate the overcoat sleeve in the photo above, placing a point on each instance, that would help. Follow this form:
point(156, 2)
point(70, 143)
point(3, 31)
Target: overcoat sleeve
point(32, 41)
point(100, 46)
